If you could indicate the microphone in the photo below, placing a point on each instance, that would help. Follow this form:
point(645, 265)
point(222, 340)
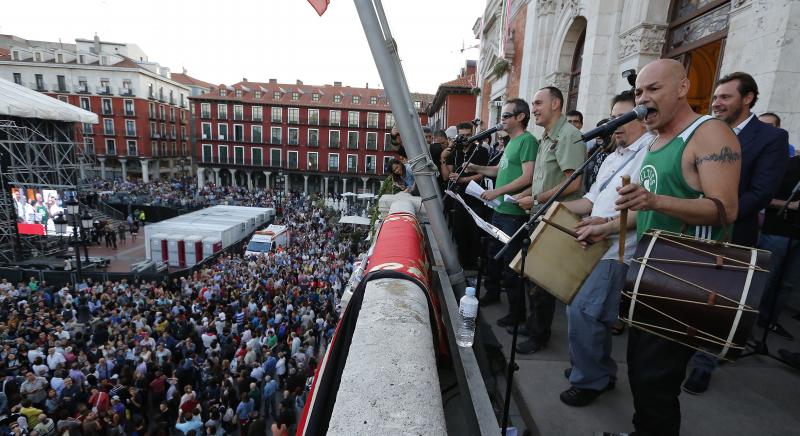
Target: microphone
point(485, 134)
point(638, 113)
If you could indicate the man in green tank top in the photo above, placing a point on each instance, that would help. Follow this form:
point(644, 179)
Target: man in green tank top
point(691, 159)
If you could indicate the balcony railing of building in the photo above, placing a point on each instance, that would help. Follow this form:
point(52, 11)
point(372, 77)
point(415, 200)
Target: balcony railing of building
point(126, 92)
point(82, 88)
point(104, 90)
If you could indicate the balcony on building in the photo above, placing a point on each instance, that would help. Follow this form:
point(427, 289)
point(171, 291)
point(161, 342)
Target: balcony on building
point(82, 88)
point(126, 92)
point(104, 90)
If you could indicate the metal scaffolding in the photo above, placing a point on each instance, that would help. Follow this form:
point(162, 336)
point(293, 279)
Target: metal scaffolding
point(34, 154)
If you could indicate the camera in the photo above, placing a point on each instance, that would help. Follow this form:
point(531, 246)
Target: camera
point(460, 140)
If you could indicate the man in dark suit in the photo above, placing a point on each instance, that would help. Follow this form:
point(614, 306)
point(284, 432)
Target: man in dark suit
point(765, 151)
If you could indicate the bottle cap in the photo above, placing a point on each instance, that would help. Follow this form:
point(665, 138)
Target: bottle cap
point(470, 291)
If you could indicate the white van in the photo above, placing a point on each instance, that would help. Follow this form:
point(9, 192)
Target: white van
point(264, 241)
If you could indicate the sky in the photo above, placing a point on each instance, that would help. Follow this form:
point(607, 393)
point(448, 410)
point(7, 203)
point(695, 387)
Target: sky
point(223, 42)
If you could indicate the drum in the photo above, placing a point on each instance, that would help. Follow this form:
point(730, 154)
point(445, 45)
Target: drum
point(702, 294)
point(555, 261)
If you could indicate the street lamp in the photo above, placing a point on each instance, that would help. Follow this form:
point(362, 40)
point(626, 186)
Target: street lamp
point(84, 222)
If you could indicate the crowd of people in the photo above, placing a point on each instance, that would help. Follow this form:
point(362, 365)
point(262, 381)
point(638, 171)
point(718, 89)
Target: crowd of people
point(227, 350)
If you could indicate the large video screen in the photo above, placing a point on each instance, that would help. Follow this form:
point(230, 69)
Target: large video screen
point(36, 209)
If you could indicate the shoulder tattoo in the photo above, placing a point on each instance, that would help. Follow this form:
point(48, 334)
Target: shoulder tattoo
point(725, 155)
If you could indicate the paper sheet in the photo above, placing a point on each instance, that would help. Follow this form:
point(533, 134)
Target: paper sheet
point(487, 227)
point(476, 190)
point(509, 199)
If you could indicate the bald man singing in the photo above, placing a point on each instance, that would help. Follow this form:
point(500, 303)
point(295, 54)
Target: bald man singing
point(668, 196)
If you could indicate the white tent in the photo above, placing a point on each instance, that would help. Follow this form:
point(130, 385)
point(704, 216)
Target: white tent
point(352, 219)
point(19, 101)
point(367, 195)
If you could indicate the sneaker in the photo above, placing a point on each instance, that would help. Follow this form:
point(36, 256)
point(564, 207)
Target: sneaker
point(530, 346)
point(522, 330)
point(578, 397)
point(781, 332)
point(506, 321)
point(697, 383)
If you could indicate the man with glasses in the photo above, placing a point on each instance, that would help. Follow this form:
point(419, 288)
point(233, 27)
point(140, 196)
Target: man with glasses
point(561, 152)
point(513, 171)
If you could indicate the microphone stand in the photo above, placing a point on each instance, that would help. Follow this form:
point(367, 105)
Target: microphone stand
point(525, 231)
point(469, 159)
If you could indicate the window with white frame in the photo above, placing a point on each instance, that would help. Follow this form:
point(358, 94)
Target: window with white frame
point(386, 160)
point(130, 127)
point(222, 132)
point(312, 161)
point(257, 113)
point(222, 111)
point(205, 129)
point(333, 162)
point(295, 96)
point(88, 145)
point(276, 95)
point(313, 117)
point(111, 147)
point(294, 136)
point(276, 114)
point(237, 93)
point(337, 98)
point(208, 153)
point(373, 100)
point(238, 112)
point(256, 134)
point(334, 140)
point(356, 99)
point(238, 132)
point(335, 118)
point(205, 110)
point(129, 111)
point(275, 135)
point(223, 154)
point(106, 102)
point(257, 156)
point(133, 150)
point(275, 157)
point(315, 96)
point(108, 126)
point(85, 105)
point(352, 163)
point(389, 120)
point(291, 158)
point(372, 120)
point(313, 138)
point(294, 115)
point(257, 95)
point(352, 140)
point(370, 164)
point(352, 119)
point(372, 141)
point(387, 142)
point(238, 155)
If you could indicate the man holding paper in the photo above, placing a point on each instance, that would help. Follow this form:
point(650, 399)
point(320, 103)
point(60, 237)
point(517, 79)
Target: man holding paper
point(513, 173)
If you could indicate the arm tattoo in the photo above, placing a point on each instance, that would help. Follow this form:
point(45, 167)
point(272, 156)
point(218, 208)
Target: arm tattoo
point(725, 155)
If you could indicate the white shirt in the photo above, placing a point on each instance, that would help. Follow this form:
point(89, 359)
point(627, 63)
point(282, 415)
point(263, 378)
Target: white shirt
point(603, 202)
point(738, 129)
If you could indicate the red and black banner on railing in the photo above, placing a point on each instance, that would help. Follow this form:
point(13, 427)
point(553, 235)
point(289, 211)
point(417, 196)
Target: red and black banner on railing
point(399, 253)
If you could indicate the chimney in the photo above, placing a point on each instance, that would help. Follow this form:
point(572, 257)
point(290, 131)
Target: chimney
point(273, 81)
point(244, 79)
point(299, 82)
point(96, 44)
point(367, 85)
point(337, 83)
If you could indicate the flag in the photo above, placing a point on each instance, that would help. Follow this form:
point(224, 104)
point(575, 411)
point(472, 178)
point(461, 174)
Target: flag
point(319, 5)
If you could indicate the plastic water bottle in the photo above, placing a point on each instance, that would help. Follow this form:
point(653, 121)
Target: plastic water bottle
point(468, 312)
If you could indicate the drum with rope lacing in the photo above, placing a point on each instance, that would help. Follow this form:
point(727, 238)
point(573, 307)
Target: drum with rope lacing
point(700, 293)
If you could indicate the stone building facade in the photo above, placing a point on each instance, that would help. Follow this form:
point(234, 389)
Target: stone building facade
point(584, 46)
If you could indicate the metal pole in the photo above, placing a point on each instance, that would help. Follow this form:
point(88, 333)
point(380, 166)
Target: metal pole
point(77, 248)
point(384, 52)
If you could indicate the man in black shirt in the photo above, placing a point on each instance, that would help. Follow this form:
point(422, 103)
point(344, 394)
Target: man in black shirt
point(453, 159)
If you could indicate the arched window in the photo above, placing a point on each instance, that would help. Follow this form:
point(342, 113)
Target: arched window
point(575, 73)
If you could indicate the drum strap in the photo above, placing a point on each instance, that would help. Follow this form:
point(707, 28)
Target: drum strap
point(643, 266)
point(745, 291)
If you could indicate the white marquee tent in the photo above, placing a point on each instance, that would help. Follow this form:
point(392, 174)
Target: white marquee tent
point(19, 101)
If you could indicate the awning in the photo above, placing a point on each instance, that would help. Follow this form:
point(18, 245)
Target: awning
point(19, 101)
point(353, 219)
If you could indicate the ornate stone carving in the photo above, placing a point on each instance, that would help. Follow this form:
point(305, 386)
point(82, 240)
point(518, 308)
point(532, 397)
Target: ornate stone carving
point(545, 7)
point(559, 80)
point(646, 39)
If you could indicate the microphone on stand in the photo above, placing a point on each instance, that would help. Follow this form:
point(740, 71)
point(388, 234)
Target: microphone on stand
point(638, 113)
point(484, 134)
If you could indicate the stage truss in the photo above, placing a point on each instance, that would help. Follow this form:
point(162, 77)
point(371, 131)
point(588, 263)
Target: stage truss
point(34, 154)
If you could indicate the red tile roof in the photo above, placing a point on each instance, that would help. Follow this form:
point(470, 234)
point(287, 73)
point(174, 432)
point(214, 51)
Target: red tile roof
point(461, 82)
point(305, 95)
point(189, 80)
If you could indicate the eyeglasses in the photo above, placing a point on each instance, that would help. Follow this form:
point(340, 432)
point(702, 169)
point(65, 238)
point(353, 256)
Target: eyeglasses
point(507, 115)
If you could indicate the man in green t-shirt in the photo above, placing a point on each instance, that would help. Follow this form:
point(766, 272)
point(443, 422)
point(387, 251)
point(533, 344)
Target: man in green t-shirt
point(561, 153)
point(513, 174)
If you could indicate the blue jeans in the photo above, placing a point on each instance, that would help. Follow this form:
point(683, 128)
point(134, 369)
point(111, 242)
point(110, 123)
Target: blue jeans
point(783, 277)
point(495, 270)
point(590, 317)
